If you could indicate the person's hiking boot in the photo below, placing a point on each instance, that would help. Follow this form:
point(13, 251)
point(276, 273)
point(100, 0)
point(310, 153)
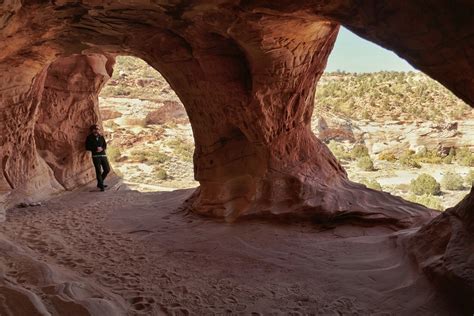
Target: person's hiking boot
point(105, 185)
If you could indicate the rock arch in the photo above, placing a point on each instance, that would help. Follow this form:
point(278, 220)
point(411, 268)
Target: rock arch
point(246, 72)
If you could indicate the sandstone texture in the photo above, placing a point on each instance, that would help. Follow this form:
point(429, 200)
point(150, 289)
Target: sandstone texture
point(246, 75)
point(246, 72)
point(69, 106)
point(443, 250)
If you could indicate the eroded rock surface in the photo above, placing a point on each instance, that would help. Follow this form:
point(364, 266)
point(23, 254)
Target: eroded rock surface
point(44, 124)
point(444, 248)
point(69, 106)
point(246, 73)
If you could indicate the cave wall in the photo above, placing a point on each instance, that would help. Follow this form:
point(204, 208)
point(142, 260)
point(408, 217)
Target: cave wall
point(246, 72)
point(45, 115)
point(23, 172)
point(69, 106)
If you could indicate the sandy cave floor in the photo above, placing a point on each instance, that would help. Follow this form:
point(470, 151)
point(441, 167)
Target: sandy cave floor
point(157, 259)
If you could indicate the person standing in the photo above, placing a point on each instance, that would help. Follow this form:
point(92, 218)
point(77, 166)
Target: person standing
point(96, 144)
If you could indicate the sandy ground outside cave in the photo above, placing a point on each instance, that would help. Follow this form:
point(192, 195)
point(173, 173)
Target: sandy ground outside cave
point(142, 247)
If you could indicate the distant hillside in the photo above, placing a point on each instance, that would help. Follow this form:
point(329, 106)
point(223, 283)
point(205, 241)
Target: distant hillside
point(404, 96)
point(386, 95)
point(134, 78)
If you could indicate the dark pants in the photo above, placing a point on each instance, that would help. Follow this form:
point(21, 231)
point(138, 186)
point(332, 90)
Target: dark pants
point(102, 169)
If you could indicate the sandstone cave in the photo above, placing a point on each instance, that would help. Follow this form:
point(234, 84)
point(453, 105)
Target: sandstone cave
point(246, 73)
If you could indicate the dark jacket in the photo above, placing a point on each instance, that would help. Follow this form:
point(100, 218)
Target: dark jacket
point(92, 142)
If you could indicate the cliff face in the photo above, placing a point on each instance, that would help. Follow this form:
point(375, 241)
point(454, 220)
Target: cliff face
point(246, 73)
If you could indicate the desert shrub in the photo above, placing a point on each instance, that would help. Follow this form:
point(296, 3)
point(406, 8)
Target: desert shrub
point(365, 163)
point(371, 184)
point(158, 157)
point(359, 151)
point(470, 178)
point(426, 200)
point(183, 148)
point(450, 157)
point(425, 184)
point(407, 159)
point(429, 156)
point(338, 150)
point(465, 157)
point(387, 156)
point(452, 181)
point(160, 174)
point(138, 156)
point(114, 153)
point(152, 156)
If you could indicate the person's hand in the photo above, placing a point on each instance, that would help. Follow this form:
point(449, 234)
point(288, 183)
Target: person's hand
point(100, 149)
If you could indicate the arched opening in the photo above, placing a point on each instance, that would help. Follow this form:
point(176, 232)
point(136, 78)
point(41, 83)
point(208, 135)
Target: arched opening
point(394, 128)
point(150, 138)
point(246, 73)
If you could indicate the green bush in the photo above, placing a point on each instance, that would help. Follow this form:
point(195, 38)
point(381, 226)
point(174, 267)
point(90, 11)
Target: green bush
point(407, 159)
point(465, 157)
point(365, 163)
point(114, 153)
point(371, 184)
point(359, 151)
point(387, 156)
point(425, 184)
point(160, 174)
point(429, 156)
point(158, 157)
point(153, 156)
point(426, 200)
point(338, 150)
point(452, 181)
point(470, 178)
point(183, 148)
point(450, 157)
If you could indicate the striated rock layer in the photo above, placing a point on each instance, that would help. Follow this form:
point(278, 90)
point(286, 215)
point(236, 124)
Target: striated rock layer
point(246, 72)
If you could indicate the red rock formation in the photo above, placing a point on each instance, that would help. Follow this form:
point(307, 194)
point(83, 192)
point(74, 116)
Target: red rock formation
point(246, 72)
point(444, 250)
point(246, 77)
point(69, 106)
point(44, 120)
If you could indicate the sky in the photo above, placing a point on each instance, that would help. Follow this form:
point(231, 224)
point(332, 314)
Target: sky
point(352, 53)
